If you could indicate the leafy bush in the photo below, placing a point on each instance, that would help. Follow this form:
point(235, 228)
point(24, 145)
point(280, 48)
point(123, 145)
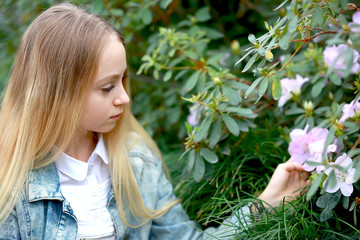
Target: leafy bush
point(252, 93)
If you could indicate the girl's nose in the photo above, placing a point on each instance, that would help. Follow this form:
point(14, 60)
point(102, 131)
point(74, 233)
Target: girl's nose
point(121, 98)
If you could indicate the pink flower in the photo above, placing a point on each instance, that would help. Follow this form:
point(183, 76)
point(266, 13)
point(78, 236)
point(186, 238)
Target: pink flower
point(355, 24)
point(309, 147)
point(337, 53)
point(349, 110)
point(290, 86)
point(344, 180)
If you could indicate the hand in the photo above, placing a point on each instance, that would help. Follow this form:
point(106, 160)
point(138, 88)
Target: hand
point(286, 181)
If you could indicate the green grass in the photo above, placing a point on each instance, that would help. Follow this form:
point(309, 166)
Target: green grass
point(237, 179)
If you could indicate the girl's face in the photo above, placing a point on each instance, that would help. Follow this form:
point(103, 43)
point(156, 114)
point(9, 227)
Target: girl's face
point(105, 102)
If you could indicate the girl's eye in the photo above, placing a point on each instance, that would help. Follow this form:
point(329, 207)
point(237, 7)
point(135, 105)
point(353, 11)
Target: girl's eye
point(108, 89)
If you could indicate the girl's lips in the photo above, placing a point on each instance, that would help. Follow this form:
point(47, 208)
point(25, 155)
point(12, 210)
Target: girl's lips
point(115, 117)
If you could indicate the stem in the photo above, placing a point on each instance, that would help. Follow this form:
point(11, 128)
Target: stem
point(180, 68)
point(356, 143)
point(292, 56)
point(312, 37)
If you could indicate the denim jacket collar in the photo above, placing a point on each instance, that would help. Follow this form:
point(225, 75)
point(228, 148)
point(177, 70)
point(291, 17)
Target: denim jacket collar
point(43, 185)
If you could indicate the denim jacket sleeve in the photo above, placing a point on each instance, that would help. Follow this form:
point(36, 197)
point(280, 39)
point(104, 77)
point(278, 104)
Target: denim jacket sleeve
point(175, 224)
point(10, 228)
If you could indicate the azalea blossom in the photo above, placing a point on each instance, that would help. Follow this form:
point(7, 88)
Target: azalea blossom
point(309, 146)
point(336, 55)
point(355, 24)
point(290, 86)
point(344, 180)
point(349, 110)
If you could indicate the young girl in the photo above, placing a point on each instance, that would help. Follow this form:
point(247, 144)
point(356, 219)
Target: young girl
point(75, 163)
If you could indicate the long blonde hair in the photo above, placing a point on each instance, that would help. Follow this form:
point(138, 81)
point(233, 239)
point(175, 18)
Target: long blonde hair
point(51, 78)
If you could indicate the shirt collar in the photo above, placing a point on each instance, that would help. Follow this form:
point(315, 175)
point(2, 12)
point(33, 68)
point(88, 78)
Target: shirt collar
point(77, 169)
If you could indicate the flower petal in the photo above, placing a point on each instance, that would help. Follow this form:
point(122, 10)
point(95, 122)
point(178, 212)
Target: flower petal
point(331, 190)
point(346, 189)
point(350, 179)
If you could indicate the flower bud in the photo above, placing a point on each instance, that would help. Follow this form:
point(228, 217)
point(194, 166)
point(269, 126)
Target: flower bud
point(269, 56)
point(217, 80)
point(235, 46)
point(308, 106)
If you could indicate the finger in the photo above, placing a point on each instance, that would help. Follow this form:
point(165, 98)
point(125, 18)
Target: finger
point(293, 166)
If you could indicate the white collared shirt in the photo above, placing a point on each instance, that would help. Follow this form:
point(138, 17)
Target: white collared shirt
point(86, 187)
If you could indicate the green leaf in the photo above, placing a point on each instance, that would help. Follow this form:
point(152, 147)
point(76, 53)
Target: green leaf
point(335, 79)
point(156, 74)
point(328, 202)
point(204, 128)
point(352, 206)
point(295, 111)
point(357, 172)
point(117, 12)
point(253, 86)
point(202, 15)
point(343, 4)
point(188, 127)
point(314, 186)
point(293, 24)
point(215, 133)
point(326, 214)
point(335, 6)
point(165, 3)
point(281, 5)
point(317, 88)
point(167, 75)
point(349, 56)
point(310, 121)
point(353, 152)
point(146, 15)
point(98, 6)
point(345, 202)
point(285, 41)
point(190, 83)
point(231, 124)
point(318, 17)
point(212, 33)
point(232, 95)
point(250, 62)
point(252, 38)
point(176, 61)
point(261, 51)
point(242, 112)
point(276, 88)
point(243, 57)
point(331, 179)
point(209, 155)
point(191, 160)
point(191, 54)
point(263, 86)
point(199, 168)
point(243, 126)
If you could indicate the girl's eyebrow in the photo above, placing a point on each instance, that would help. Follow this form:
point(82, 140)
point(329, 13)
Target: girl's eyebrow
point(110, 78)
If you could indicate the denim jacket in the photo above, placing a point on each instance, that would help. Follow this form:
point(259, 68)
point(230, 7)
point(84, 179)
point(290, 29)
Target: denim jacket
point(42, 212)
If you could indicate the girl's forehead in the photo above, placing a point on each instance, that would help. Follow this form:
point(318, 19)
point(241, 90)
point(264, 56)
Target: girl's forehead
point(112, 59)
